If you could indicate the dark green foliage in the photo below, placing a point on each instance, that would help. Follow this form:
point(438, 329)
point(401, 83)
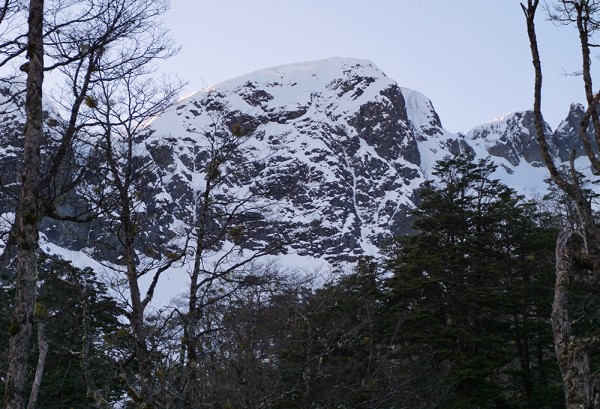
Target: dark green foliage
point(474, 287)
point(65, 295)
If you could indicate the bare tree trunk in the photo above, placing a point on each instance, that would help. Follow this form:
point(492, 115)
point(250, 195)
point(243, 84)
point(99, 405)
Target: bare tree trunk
point(39, 371)
point(21, 324)
point(128, 227)
point(190, 330)
point(572, 352)
point(137, 315)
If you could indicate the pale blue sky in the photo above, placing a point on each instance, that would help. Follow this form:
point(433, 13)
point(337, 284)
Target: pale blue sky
point(470, 57)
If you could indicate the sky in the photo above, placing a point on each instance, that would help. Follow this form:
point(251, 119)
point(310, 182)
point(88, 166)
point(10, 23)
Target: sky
point(470, 57)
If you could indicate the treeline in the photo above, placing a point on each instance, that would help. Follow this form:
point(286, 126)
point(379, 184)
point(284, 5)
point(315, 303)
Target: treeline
point(456, 315)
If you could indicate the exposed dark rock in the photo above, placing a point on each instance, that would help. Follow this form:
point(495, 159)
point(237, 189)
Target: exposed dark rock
point(512, 138)
point(567, 138)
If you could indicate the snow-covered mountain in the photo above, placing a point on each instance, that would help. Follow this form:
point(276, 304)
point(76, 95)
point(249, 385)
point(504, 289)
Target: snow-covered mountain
point(330, 143)
point(338, 149)
point(327, 156)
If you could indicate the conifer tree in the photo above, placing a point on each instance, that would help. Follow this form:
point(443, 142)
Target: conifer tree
point(80, 322)
point(472, 290)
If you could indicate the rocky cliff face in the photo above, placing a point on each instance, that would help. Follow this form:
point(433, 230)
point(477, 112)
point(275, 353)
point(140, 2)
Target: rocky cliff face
point(12, 123)
point(511, 137)
point(327, 156)
point(566, 137)
point(329, 145)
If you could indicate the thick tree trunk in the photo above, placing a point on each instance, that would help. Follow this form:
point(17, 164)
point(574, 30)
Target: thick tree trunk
point(572, 352)
point(21, 324)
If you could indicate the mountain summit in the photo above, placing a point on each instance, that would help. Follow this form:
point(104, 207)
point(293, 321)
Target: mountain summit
point(331, 143)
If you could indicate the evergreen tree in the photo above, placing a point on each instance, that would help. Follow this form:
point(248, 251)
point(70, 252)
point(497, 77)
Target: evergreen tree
point(472, 290)
point(80, 320)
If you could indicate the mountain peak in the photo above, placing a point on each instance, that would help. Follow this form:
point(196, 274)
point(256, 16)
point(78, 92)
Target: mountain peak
point(307, 73)
point(566, 137)
point(329, 140)
point(510, 136)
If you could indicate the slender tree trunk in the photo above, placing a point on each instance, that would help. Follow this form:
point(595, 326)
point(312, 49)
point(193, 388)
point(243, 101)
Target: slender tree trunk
point(39, 371)
point(137, 314)
point(190, 332)
point(21, 324)
point(86, 343)
point(122, 181)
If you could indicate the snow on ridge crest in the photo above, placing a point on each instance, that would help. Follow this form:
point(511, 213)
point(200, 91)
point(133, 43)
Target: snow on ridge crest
point(421, 112)
point(295, 83)
point(315, 72)
point(500, 118)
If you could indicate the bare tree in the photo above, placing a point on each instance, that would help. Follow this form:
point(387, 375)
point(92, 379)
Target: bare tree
point(91, 43)
point(122, 109)
point(574, 351)
point(29, 215)
point(221, 223)
point(39, 371)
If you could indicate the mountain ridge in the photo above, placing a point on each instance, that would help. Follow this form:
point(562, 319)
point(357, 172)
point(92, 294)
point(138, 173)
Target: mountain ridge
point(327, 157)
